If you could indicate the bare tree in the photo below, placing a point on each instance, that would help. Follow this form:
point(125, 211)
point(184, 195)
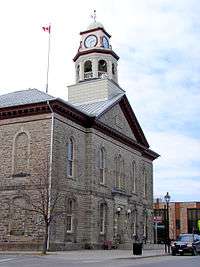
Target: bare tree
point(43, 200)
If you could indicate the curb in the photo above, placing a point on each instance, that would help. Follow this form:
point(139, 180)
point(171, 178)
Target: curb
point(142, 257)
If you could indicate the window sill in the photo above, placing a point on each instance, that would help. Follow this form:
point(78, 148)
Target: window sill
point(101, 234)
point(20, 175)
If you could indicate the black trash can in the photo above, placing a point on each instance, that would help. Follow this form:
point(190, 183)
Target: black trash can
point(137, 248)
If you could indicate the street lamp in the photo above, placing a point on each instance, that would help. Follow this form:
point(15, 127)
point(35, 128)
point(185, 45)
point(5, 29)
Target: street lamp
point(167, 201)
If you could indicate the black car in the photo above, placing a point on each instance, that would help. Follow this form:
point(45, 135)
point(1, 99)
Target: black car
point(186, 243)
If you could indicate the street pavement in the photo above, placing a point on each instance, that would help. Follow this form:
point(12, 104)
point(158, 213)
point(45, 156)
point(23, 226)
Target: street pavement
point(96, 258)
point(91, 254)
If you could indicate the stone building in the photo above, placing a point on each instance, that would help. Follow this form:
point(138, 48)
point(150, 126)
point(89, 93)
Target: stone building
point(91, 146)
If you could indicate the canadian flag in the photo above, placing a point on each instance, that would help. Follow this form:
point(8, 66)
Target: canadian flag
point(47, 28)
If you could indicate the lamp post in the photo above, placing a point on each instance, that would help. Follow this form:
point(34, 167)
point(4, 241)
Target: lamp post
point(167, 201)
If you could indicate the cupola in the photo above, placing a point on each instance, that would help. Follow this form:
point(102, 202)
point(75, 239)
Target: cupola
point(95, 66)
point(95, 58)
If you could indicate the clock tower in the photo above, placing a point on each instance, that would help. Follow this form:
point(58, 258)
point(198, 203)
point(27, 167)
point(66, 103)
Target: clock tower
point(95, 67)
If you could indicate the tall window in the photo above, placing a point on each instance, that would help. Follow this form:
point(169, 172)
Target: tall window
point(145, 182)
point(120, 175)
point(102, 218)
point(117, 168)
point(70, 157)
point(102, 166)
point(145, 224)
point(69, 217)
point(134, 223)
point(21, 154)
point(133, 176)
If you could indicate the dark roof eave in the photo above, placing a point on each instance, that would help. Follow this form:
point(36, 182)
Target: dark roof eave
point(150, 154)
point(96, 50)
point(98, 28)
point(66, 110)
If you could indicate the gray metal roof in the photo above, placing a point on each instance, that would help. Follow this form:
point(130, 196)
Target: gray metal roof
point(24, 97)
point(95, 109)
point(30, 96)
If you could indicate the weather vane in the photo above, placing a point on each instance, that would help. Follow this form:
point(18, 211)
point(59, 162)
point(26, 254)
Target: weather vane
point(94, 15)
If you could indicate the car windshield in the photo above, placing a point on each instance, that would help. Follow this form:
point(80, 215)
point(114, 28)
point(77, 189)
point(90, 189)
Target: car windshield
point(185, 238)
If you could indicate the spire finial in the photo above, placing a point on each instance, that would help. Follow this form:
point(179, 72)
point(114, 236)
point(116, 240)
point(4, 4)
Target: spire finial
point(94, 15)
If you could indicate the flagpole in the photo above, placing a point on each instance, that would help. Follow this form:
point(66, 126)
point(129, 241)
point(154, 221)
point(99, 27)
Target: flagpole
point(48, 57)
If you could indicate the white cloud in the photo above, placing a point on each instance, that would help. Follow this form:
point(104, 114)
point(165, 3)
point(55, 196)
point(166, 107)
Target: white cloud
point(177, 170)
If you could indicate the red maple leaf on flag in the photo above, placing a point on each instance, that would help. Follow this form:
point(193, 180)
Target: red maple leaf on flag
point(47, 28)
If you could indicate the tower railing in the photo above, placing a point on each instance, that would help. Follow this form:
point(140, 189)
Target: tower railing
point(102, 74)
point(88, 75)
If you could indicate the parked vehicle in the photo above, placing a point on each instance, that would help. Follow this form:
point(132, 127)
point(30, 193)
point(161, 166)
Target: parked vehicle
point(186, 243)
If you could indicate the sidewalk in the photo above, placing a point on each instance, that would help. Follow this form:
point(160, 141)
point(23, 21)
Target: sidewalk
point(92, 254)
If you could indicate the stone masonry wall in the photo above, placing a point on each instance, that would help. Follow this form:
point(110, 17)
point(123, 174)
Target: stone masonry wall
point(16, 224)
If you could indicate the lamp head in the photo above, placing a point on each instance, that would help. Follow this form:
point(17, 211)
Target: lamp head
point(118, 210)
point(128, 212)
point(167, 198)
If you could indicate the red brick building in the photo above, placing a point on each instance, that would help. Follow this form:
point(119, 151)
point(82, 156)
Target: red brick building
point(183, 218)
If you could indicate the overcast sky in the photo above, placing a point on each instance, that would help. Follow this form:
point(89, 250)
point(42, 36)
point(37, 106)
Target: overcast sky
point(159, 68)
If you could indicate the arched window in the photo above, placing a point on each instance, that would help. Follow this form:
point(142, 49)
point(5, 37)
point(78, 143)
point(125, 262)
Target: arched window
point(78, 72)
point(102, 166)
point(145, 180)
point(88, 66)
point(102, 215)
point(21, 154)
point(133, 176)
point(70, 216)
point(88, 70)
point(102, 66)
point(113, 68)
point(70, 157)
point(117, 171)
point(120, 175)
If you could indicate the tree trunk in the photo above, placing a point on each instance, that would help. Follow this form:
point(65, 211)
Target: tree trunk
point(44, 251)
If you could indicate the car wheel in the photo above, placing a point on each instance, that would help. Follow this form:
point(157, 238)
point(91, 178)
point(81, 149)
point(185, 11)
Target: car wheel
point(173, 253)
point(181, 253)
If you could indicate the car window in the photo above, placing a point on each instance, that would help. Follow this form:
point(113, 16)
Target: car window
point(185, 238)
point(198, 238)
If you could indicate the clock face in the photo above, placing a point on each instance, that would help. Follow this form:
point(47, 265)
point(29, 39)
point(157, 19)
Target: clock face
point(105, 42)
point(90, 41)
